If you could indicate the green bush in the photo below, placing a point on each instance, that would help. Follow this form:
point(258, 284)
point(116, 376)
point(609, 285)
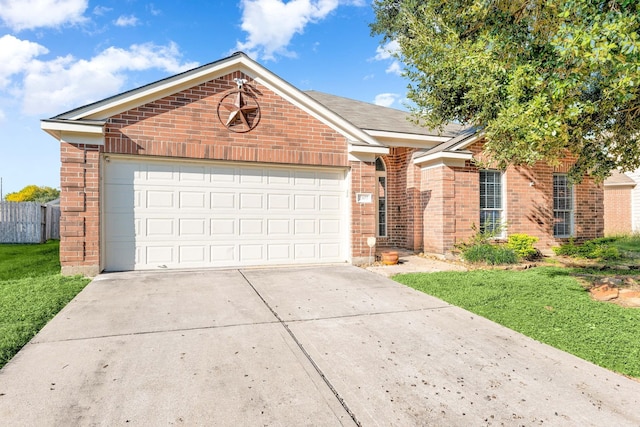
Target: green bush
point(490, 254)
point(522, 245)
point(592, 249)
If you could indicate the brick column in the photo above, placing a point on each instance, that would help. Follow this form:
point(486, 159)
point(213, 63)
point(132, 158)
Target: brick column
point(363, 215)
point(80, 209)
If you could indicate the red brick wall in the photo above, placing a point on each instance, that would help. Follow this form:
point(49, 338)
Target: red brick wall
point(80, 209)
point(452, 207)
point(404, 213)
point(617, 212)
point(363, 215)
point(186, 125)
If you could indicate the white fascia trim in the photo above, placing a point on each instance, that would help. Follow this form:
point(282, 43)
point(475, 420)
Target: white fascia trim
point(622, 185)
point(403, 138)
point(314, 108)
point(51, 126)
point(236, 63)
point(368, 149)
point(170, 87)
point(75, 133)
point(442, 157)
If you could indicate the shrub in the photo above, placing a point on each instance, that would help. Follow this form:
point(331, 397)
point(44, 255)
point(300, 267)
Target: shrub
point(490, 254)
point(522, 245)
point(592, 249)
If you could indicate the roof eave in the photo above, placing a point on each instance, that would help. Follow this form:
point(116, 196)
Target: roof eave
point(78, 132)
point(443, 157)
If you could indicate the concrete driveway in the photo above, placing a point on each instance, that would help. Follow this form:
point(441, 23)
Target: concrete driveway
point(330, 345)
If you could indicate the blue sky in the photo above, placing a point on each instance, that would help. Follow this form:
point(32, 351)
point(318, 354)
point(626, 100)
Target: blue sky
point(56, 55)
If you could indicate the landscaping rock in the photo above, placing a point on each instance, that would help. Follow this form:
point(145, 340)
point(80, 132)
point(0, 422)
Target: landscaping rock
point(610, 281)
point(604, 293)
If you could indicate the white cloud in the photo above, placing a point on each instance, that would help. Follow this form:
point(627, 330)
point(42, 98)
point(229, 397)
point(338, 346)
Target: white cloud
point(271, 24)
point(15, 55)
point(386, 99)
point(28, 14)
point(394, 68)
point(101, 10)
point(387, 51)
point(3, 116)
point(152, 9)
point(126, 21)
point(66, 82)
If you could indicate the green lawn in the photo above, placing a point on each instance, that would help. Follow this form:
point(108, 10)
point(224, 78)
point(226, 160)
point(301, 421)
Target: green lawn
point(547, 304)
point(32, 291)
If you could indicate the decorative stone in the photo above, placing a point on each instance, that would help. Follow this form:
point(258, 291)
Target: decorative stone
point(604, 293)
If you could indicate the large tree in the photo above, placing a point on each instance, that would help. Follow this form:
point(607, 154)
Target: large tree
point(543, 78)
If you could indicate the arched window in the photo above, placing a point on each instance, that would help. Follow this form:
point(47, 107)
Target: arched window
point(381, 198)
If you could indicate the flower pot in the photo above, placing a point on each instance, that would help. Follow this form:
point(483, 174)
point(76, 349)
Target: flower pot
point(389, 258)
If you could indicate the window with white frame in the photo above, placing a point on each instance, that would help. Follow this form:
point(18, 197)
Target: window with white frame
point(381, 198)
point(562, 206)
point(491, 210)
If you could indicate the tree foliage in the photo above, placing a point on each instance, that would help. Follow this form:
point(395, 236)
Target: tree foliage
point(544, 78)
point(33, 193)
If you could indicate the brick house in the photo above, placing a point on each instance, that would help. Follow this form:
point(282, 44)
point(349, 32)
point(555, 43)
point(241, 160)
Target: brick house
point(621, 204)
point(228, 165)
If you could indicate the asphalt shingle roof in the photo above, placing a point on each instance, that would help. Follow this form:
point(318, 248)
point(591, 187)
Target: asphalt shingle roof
point(378, 118)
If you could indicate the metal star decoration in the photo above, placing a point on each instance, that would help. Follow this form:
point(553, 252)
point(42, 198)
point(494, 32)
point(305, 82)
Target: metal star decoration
point(242, 109)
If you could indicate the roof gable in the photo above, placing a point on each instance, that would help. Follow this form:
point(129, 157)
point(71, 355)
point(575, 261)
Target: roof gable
point(85, 124)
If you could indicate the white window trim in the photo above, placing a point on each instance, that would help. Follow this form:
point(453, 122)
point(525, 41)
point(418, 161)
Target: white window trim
point(386, 200)
point(572, 211)
point(503, 210)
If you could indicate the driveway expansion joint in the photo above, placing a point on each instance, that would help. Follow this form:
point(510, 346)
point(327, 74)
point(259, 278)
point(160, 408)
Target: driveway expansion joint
point(377, 313)
point(130, 334)
point(305, 353)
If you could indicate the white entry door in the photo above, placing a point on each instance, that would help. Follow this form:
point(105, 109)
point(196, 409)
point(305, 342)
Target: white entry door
point(167, 214)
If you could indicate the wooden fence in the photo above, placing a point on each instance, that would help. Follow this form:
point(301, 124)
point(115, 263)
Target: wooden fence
point(28, 222)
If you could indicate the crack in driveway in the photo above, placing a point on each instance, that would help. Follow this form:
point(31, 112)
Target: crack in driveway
point(304, 351)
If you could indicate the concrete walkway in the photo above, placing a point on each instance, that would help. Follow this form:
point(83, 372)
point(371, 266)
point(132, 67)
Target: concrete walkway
point(330, 345)
point(411, 263)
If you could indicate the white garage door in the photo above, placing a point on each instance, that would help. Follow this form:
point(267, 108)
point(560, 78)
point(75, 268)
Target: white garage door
point(161, 214)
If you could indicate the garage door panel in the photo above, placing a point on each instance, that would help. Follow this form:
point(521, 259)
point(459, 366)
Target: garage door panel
point(251, 227)
point(251, 201)
point(189, 174)
point(279, 227)
point(278, 201)
point(160, 227)
point(304, 202)
point(250, 253)
point(192, 227)
point(221, 200)
point(193, 255)
point(122, 226)
point(178, 215)
point(279, 177)
point(193, 200)
point(223, 227)
point(157, 199)
point(278, 252)
point(221, 174)
point(305, 251)
point(160, 255)
point(223, 254)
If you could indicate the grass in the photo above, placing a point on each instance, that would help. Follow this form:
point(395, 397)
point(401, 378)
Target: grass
point(32, 291)
point(547, 304)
